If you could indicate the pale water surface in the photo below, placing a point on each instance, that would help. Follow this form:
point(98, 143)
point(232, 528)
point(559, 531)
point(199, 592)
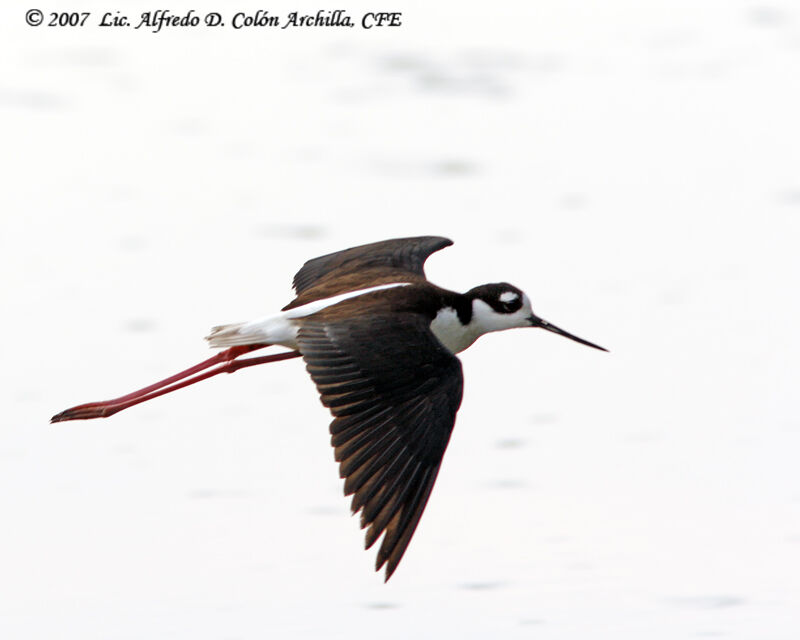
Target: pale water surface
point(633, 166)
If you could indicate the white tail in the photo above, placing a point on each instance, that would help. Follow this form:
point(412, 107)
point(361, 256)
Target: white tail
point(231, 335)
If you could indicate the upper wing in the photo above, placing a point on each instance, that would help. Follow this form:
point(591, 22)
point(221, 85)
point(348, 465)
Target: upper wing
point(405, 256)
point(394, 391)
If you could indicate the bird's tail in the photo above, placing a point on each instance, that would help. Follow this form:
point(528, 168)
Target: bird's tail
point(232, 335)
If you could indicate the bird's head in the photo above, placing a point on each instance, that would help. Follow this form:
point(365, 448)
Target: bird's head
point(500, 306)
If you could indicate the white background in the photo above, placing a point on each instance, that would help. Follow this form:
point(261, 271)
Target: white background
point(633, 166)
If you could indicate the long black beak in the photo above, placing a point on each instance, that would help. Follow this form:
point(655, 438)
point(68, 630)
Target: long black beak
point(544, 324)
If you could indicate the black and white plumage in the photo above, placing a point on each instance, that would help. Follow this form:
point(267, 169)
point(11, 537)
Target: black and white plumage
point(384, 364)
point(379, 342)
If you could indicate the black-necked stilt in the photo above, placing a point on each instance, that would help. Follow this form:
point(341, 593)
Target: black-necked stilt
point(379, 341)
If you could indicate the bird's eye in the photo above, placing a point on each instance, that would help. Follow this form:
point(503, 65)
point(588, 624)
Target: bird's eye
point(509, 302)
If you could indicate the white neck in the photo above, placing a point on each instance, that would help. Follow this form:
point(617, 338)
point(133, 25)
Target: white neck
point(451, 333)
point(456, 336)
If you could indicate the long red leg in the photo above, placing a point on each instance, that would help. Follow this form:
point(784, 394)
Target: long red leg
point(110, 407)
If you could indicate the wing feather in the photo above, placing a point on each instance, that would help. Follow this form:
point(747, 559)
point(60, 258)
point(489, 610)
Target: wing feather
point(394, 391)
point(402, 254)
point(386, 262)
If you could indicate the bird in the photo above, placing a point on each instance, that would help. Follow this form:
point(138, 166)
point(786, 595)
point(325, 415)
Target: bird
point(380, 343)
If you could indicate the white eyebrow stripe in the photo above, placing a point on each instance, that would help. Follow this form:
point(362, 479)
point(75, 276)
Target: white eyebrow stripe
point(508, 296)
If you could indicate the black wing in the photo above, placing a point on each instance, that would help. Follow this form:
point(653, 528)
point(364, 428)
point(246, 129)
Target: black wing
point(394, 391)
point(406, 256)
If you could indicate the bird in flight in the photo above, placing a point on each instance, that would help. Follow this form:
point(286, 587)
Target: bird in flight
point(380, 343)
